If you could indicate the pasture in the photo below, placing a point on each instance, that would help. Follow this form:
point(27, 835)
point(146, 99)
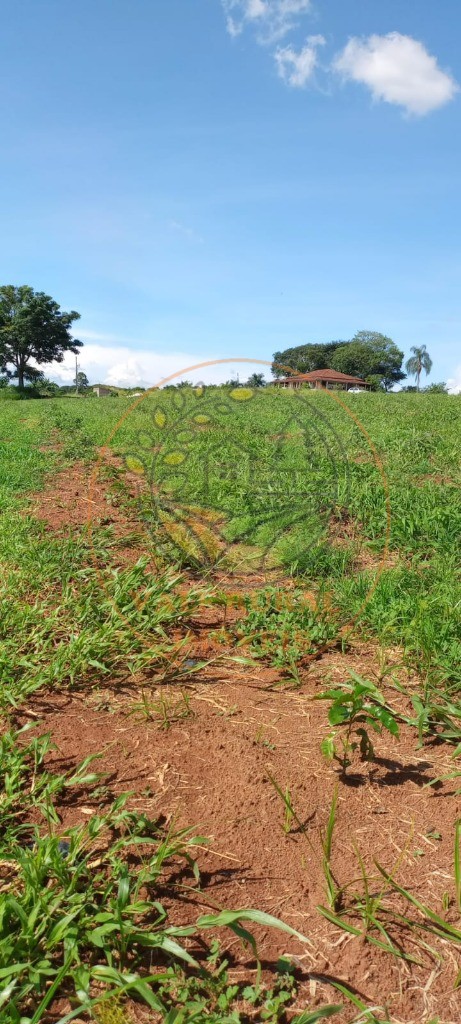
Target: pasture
point(231, 715)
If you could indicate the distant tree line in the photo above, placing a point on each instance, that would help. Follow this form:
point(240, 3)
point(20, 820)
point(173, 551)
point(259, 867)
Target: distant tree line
point(372, 356)
point(35, 331)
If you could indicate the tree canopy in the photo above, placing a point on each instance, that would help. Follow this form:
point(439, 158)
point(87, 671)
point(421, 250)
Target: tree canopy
point(304, 358)
point(33, 329)
point(256, 380)
point(372, 356)
point(81, 381)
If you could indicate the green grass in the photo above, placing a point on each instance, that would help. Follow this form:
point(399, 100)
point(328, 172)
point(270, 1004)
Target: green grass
point(79, 908)
point(275, 468)
point(301, 485)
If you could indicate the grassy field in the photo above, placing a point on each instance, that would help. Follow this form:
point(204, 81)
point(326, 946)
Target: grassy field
point(158, 552)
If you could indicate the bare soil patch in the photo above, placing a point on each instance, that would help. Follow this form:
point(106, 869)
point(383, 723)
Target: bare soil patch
point(210, 770)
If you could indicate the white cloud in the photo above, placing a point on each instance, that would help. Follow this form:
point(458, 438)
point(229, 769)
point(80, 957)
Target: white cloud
point(397, 69)
point(124, 366)
point(454, 383)
point(296, 68)
point(272, 19)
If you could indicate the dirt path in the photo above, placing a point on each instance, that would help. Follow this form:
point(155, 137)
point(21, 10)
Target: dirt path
point(204, 754)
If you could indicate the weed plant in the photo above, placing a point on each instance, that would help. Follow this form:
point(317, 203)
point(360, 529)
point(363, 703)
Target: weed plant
point(358, 706)
point(284, 628)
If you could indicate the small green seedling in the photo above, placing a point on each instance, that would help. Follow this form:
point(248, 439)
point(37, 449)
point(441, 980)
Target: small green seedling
point(358, 706)
point(289, 812)
point(165, 710)
point(458, 863)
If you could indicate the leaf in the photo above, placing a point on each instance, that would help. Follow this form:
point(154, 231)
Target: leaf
point(332, 695)
point(12, 969)
point(444, 929)
point(123, 894)
point(7, 991)
point(327, 747)
point(387, 719)
point(143, 989)
point(241, 394)
point(174, 458)
point(159, 418)
point(135, 465)
point(229, 917)
point(338, 714)
point(59, 930)
point(312, 1016)
point(98, 935)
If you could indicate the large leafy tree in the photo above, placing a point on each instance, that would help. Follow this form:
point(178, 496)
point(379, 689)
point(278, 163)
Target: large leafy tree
point(419, 361)
point(304, 358)
point(370, 355)
point(33, 329)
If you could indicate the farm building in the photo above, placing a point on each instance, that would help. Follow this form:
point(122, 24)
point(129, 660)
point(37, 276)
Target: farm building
point(102, 391)
point(323, 379)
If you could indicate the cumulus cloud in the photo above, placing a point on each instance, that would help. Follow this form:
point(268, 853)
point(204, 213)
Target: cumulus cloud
point(397, 69)
point(272, 19)
point(454, 383)
point(297, 67)
point(129, 367)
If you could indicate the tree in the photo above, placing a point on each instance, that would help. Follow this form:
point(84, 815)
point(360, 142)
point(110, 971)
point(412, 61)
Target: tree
point(256, 380)
point(370, 355)
point(419, 361)
point(439, 388)
point(81, 381)
point(304, 358)
point(375, 382)
point(45, 388)
point(33, 329)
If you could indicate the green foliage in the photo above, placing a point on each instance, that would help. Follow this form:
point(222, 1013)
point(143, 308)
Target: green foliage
point(419, 361)
point(209, 996)
point(79, 908)
point(283, 627)
point(256, 380)
point(358, 706)
point(32, 327)
point(370, 355)
point(70, 617)
point(81, 381)
point(439, 388)
point(74, 901)
point(304, 358)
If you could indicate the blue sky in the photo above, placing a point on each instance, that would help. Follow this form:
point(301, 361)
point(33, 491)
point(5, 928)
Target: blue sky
point(219, 178)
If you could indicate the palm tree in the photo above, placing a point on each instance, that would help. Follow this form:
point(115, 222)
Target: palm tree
point(420, 360)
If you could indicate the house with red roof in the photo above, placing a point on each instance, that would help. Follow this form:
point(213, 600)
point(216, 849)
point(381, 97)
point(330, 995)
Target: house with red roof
point(323, 379)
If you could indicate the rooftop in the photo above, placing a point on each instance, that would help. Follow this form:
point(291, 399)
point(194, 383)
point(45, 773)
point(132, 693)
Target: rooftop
point(327, 374)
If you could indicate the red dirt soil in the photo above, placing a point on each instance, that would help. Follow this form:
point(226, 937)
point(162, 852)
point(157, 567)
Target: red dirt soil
point(211, 771)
